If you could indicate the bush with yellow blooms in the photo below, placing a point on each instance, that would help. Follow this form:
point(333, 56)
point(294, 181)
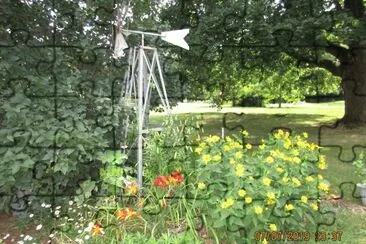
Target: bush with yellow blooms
point(275, 186)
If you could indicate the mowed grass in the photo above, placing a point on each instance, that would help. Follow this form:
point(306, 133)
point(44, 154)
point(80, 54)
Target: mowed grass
point(310, 118)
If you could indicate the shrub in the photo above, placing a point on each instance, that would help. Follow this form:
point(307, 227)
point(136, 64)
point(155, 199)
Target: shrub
point(276, 187)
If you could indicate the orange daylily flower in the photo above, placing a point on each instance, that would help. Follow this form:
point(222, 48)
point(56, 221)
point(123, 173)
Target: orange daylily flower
point(132, 188)
point(97, 229)
point(126, 213)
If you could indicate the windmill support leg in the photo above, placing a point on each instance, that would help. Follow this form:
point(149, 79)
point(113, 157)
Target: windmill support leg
point(140, 116)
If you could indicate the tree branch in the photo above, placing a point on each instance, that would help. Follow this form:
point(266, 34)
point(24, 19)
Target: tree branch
point(330, 66)
point(341, 53)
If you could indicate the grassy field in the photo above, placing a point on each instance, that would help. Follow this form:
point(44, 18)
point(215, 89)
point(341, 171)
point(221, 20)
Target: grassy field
point(304, 117)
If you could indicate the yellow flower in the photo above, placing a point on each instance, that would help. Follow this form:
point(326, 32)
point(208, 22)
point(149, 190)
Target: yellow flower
point(238, 155)
point(206, 158)
point(279, 170)
point(227, 148)
point(271, 195)
point(239, 170)
point(322, 164)
point(228, 203)
point(262, 146)
point(273, 227)
point(201, 185)
point(287, 144)
point(266, 181)
point(198, 150)
point(248, 146)
point(264, 241)
point(289, 207)
point(296, 181)
point(245, 133)
point(279, 134)
point(217, 157)
point(248, 200)
point(296, 152)
point(314, 206)
point(232, 161)
point(269, 160)
point(271, 201)
point(304, 199)
point(258, 210)
point(309, 178)
point(324, 187)
point(285, 179)
point(296, 160)
point(213, 139)
point(250, 178)
point(228, 139)
point(202, 145)
point(320, 177)
point(242, 193)
point(305, 135)
point(313, 146)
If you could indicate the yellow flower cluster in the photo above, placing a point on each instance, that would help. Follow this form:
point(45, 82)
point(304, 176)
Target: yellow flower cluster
point(314, 206)
point(212, 139)
point(289, 207)
point(296, 181)
point(206, 158)
point(304, 199)
point(242, 193)
point(200, 147)
point(324, 187)
point(248, 200)
point(239, 170)
point(201, 185)
point(245, 133)
point(277, 154)
point(228, 203)
point(322, 164)
point(258, 210)
point(273, 227)
point(266, 181)
point(271, 198)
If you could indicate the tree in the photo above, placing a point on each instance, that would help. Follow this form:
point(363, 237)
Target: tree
point(329, 34)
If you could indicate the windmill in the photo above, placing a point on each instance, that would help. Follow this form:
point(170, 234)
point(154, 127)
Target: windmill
point(144, 72)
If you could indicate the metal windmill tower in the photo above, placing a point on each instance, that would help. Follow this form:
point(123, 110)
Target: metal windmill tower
point(144, 72)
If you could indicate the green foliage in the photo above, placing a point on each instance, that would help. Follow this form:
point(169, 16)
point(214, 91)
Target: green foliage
point(171, 148)
point(276, 187)
point(360, 168)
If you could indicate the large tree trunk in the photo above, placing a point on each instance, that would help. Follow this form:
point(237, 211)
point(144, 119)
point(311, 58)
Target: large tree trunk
point(354, 87)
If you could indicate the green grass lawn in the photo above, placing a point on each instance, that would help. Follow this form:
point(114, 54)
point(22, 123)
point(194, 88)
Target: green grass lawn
point(299, 118)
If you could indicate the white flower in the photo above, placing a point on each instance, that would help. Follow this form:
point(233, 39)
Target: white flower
point(43, 205)
point(79, 231)
point(71, 203)
point(51, 235)
point(57, 212)
point(39, 227)
point(31, 215)
point(20, 242)
point(87, 237)
point(78, 240)
point(6, 236)
point(58, 207)
point(74, 211)
point(70, 209)
point(48, 206)
point(49, 241)
point(89, 228)
point(21, 235)
point(28, 238)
